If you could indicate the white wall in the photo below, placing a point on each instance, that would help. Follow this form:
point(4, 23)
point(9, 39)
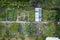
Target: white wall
point(38, 14)
point(52, 38)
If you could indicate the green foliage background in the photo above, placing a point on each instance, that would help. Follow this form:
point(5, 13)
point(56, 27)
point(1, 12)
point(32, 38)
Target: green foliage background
point(48, 15)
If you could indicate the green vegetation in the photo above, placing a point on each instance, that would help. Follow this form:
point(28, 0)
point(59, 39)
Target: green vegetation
point(47, 29)
point(31, 15)
point(57, 30)
point(10, 9)
point(0, 30)
point(49, 15)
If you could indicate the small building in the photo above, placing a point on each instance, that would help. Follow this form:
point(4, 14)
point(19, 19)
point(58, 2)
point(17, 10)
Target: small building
point(38, 14)
point(52, 38)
